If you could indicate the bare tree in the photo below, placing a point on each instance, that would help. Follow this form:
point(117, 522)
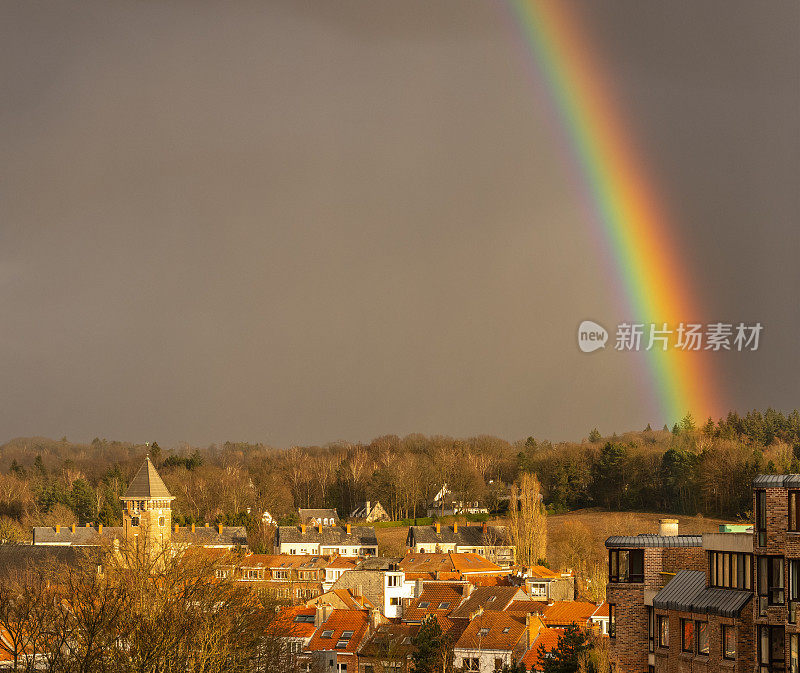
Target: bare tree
point(528, 520)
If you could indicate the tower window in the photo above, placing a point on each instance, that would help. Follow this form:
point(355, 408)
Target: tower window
point(161, 521)
point(135, 521)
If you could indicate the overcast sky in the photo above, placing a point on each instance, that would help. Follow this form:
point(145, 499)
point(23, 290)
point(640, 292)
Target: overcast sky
point(298, 222)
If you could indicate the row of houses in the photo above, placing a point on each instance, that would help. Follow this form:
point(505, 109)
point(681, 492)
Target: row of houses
point(489, 626)
point(720, 601)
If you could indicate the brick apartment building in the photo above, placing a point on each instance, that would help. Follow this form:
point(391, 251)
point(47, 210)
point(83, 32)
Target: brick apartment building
point(722, 601)
point(639, 566)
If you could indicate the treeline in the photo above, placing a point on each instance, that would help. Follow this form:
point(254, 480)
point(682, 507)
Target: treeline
point(688, 469)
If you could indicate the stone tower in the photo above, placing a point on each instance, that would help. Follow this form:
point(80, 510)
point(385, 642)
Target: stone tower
point(147, 510)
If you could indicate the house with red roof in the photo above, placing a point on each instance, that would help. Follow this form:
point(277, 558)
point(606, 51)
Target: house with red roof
point(495, 638)
point(547, 638)
point(338, 636)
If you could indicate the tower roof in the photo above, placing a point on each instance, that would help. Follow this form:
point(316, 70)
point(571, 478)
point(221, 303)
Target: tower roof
point(147, 483)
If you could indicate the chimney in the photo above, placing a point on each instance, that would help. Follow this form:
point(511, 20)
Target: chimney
point(73, 528)
point(668, 527)
point(303, 528)
point(348, 529)
point(483, 526)
point(468, 589)
point(358, 591)
point(318, 616)
point(374, 619)
point(455, 528)
point(193, 528)
point(438, 528)
point(88, 524)
point(58, 529)
point(100, 529)
point(208, 525)
point(529, 628)
point(176, 527)
point(319, 527)
point(219, 528)
point(327, 611)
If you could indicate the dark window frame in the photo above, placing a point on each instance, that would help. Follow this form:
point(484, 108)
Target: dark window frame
point(766, 585)
point(612, 620)
point(698, 629)
point(727, 569)
point(726, 630)
point(687, 646)
point(794, 514)
point(766, 663)
point(660, 621)
point(622, 563)
point(761, 517)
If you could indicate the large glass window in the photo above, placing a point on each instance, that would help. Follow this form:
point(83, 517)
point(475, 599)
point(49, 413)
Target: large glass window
point(771, 656)
point(770, 582)
point(687, 635)
point(612, 620)
point(626, 565)
point(761, 517)
point(794, 500)
point(701, 633)
point(663, 631)
point(728, 642)
point(730, 569)
point(794, 589)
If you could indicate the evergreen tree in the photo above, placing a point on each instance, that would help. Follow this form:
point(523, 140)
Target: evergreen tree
point(38, 465)
point(433, 651)
point(570, 652)
point(595, 436)
point(83, 501)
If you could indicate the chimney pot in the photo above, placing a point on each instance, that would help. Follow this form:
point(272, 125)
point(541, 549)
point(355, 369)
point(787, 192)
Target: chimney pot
point(302, 528)
point(208, 525)
point(88, 524)
point(348, 529)
point(455, 528)
point(438, 528)
point(668, 527)
point(73, 527)
point(58, 528)
point(99, 528)
point(319, 527)
point(176, 527)
point(193, 528)
point(219, 528)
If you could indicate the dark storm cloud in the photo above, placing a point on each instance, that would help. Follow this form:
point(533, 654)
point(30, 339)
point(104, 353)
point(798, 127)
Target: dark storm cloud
point(297, 222)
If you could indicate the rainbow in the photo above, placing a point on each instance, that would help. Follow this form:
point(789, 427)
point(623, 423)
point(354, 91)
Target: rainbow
point(633, 222)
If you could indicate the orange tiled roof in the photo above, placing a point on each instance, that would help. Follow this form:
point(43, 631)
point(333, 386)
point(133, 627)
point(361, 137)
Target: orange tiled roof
point(568, 612)
point(293, 622)
point(547, 637)
point(435, 599)
point(602, 610)
point(329, 635)
point(542, 571)
point(526, 607)
point(438, 564)
point(492, 631)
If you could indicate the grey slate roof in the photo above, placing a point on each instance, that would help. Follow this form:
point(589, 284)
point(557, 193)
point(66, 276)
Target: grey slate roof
point(777, 481)
point(332, 535)
point(83, 535)
point(687, 592)
point(14, 557)
point(654, 541)
point(210, 537)
point(147, 483)
point(472, 536)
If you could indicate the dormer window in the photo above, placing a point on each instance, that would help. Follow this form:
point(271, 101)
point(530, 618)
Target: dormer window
point(483, 632)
